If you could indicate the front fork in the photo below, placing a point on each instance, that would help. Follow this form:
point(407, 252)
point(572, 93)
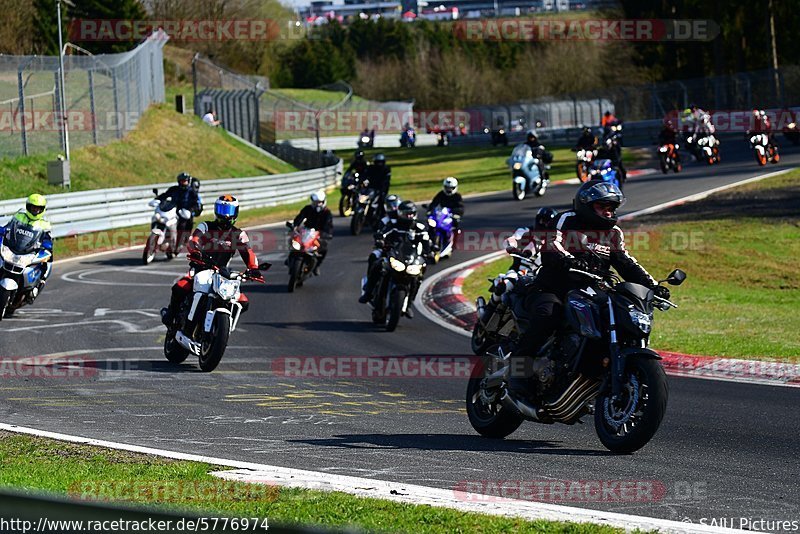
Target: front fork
point(617, 358)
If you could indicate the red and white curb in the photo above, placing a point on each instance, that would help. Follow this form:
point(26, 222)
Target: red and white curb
point(442, 301)
point(454, 498)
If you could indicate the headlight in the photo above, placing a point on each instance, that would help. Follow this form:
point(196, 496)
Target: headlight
point(397, 265)
point(517, 166)
point(791, 125)
point(296, 245)
point(642, 320)
point(363, 199)
point(227, 289)
point(432, 223)
point(662, 149)
point(414, 270)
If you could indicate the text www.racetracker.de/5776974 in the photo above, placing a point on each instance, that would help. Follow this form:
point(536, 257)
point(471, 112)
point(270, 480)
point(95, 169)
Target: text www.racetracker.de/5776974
point(199, 524)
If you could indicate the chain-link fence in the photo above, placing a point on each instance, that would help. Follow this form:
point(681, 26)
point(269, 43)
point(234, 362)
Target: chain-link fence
point(105, 95)
point(767, 89)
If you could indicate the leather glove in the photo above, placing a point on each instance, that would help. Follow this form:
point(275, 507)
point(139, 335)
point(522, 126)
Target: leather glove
point(527, 253)
point(661, 292)
point(253, 273)
point(513, 250)
point(575, 263)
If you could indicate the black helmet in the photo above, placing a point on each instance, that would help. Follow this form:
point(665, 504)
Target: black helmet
point(195, 184)
point(531, 135)
point(380, 159)
point(545, 219)
point(359, 155)
point(406, 214)
point(184, 179)
point(587, 130)
point(595, 191)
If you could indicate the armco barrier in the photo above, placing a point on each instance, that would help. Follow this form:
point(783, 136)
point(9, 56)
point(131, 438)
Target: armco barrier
point(107, 209)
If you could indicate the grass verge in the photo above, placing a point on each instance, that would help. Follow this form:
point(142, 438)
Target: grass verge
point(740, 250)
point(163, 144)
point(34, 463)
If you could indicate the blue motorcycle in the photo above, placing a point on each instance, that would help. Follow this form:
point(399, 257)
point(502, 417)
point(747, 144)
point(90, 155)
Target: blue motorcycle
point(442, 231)
point(602, 169)
point(526, 174)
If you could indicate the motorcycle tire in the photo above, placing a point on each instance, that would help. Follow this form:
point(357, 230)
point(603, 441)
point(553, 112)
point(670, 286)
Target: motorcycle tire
point(295, 274)
point(211, 350)
point(149, 253)
point(345, 206)
point(495, 424)
point(478, 341)
point(378, 318)
point(5, 297)
point(356, 224)
point(664, 166)
point(761, 159)
point(173, 351)
point(649, 408)
point(678, 167)
point(518, 192)
point(395, 307)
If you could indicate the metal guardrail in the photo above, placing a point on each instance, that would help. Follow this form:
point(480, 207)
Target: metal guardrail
point(107, 209)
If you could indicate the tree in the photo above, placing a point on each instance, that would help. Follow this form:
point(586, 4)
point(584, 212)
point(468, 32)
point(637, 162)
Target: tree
point(100, 10)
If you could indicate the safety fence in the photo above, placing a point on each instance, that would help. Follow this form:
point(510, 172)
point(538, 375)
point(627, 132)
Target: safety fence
point(104, 97)
point(107, 209)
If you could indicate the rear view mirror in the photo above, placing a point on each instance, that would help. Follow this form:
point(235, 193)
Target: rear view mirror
point(676, 277)
point(155, 191)
point(289, 225)
point(264, 266)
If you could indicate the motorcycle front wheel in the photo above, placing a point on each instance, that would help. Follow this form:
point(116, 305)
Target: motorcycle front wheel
point(479, 342)
point(213, 346)
point(5, 297)
point(518, 191)
point(295, 273)
point(357, 223)
point(149, 253)
point(396, 300)
point(626, 424)
point(486, 413)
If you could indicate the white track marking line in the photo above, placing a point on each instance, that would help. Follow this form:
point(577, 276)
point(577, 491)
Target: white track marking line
point(393, 491)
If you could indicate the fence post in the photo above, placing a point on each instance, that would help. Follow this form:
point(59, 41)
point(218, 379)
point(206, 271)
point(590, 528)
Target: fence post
point(91, 105)
point(59, 112)
point(116, 103)
point(21, 92)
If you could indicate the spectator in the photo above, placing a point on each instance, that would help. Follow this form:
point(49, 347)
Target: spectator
point(210, 118)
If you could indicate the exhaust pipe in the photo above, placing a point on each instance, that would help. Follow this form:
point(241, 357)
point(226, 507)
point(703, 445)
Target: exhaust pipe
point(520, 406)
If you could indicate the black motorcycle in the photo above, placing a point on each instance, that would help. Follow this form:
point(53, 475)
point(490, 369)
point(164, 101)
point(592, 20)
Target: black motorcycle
point(402, 270)
point(499, 137)
point(597, 362)
point(366, 209)
point(349, 190)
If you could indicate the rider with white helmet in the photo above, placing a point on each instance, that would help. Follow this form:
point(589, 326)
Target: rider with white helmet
point(450, 198)
point(316, 215)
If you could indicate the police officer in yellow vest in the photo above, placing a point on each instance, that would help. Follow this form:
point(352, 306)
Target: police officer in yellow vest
point(29, 231)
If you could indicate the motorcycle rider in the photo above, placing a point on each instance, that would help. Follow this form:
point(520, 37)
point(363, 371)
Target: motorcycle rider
point(587, 140)
point(608, 120)
point(529, 240)
point(405, 227)
point(669, 136)
point(214, 243)
point(538, 150)
point(380, 177)
point(390, 208)
point(318, 216)
point(359, 163)
point(449, 198)
point(33, 217)
point(594, 218)
point(186, 196)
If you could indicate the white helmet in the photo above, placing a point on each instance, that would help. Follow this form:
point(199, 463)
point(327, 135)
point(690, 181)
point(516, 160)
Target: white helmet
point(318, 200)
point(449, 185)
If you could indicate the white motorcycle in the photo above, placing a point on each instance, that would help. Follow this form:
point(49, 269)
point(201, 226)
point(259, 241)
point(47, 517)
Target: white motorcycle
point(21, 270)
point(204, 323)
point(163, 228)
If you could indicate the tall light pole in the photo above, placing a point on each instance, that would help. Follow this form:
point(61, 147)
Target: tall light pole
point(61, 96)
point(775, 74)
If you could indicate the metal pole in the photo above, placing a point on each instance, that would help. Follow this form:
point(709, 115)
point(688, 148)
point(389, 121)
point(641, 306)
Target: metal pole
point(22, 113)
point(91, 106)
point(62, 87)
point(774, 49)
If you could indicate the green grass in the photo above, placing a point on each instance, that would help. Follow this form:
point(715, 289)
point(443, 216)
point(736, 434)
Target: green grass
point(313, 97)
point(742, 294)
point(64, 468)
point(163, 144)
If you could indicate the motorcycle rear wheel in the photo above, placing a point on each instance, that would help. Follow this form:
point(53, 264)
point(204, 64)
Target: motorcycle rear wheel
point(628, 428)
point(345, 206)
point(490, 421)
point(213, 347)
point(173, 351)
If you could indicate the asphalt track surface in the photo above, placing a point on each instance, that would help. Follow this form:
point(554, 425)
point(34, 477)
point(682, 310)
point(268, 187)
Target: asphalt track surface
point(723, 450)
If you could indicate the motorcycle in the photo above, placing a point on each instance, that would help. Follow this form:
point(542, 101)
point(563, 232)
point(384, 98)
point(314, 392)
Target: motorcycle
point(402, 270)
point(349, 190)
point(792, 133)
point(596, 363)
point(603, 169)
point(669, 158)
point(585, 157)
point(366, 209)
point(163, 229)
point(365, 141)
point(442, 138)
point(526, 175)
point(765, 150)
point(205, 322)
point(704, 148)
point(612, 143)
point(442, 230)
point(303, 254)
point(408, 138)
point(495, 319)
point(21, 270)
point(499, 137)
